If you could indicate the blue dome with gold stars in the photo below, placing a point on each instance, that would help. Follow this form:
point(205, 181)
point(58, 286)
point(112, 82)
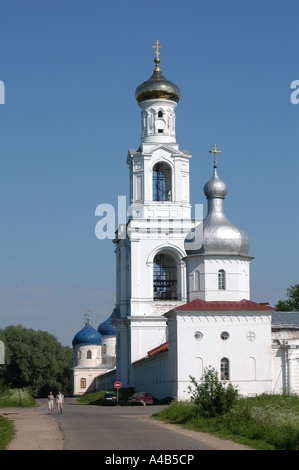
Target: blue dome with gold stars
point(87, 336)
point(107, 328)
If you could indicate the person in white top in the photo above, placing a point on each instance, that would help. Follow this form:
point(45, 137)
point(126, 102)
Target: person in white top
point(50, 402)
point(60, 402)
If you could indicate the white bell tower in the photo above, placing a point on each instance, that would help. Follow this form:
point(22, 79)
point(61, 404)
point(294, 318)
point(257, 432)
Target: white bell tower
point(151, 272)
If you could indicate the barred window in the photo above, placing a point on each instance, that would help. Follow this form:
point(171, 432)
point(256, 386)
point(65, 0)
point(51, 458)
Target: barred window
point(165, 277)
point(224, 369)
point(162, 182)
point(221, 280)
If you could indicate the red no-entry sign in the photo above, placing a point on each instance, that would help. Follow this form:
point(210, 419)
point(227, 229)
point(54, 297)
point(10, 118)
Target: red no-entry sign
point(117, 385)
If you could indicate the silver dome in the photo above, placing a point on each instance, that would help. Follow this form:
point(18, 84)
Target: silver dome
point(216, 235)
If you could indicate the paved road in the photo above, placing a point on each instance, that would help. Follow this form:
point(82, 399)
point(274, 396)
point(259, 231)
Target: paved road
point(113, 429)
point(120, 428)
point(129, 428)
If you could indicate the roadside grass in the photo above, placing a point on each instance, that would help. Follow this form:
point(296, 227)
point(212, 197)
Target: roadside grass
point(14, 398)
point(7, 432)
point(18, 398)
point(92, 398)
point(264, 422)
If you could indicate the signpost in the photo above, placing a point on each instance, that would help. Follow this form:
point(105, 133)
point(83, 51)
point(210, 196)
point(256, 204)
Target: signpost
point(117, 385)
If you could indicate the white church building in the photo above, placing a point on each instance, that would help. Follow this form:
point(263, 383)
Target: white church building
point(183, 285)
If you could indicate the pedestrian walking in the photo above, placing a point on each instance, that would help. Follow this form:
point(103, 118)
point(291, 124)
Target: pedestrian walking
point(60, 402)
point(50, 402)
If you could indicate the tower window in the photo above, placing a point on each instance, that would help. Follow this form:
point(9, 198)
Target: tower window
point(221, 280)
point(162, 182)
point(224, 369)
point(88, 355)
point(160, 114)
point(165, 277)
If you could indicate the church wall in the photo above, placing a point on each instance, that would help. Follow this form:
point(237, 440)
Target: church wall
point(285, 362)
point(249, 360)
point(106, 381)
point(151, 375)
point(108, 345)
point(279, 370)
point(202, 273)
point(146, 334)
point(87, 377)
point(87, 355)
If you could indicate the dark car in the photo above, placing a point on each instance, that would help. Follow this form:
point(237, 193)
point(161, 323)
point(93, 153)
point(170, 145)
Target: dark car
point(109, 399)
point(141, 398)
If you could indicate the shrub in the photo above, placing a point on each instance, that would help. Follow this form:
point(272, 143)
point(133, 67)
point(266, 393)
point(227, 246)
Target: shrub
point(214, 397)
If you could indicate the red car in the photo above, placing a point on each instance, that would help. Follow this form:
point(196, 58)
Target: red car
point(142, 398)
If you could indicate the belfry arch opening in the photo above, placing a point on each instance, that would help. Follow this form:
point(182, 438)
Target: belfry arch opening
point(162, 176)
point(165, 277)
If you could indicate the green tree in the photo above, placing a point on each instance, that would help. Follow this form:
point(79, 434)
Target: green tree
point(35, 359)
point(214, 396)
point(292, 302)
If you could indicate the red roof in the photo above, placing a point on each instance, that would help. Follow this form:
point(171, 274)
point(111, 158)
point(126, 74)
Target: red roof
point(162, 347)
point(223, 305)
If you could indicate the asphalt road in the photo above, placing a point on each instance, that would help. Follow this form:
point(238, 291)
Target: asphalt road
point(129, 428)
point(117, 431)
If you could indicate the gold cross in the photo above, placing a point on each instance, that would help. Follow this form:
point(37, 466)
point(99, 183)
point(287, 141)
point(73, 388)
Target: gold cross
point(87, 317)
point(215, 151)
point(157, 48)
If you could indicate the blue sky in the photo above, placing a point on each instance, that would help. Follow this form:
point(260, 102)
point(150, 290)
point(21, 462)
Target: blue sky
point(70, 70)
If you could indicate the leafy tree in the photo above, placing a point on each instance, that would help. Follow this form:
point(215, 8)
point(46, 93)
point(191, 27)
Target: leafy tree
point(36, 360)
point(214, 396)
point(292, 302)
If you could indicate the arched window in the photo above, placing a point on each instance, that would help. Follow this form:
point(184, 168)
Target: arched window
point(82, 383)
point(221, 280)
point(224, 369)
point(165, 277)
point(79, 354)
point(160, 114)
point(88, 355)
point(162, 182)
point(104, 349)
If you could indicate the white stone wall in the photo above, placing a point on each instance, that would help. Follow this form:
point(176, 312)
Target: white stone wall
point(88, 376)
point(151, 121)
point(87, 355)
point(248, 348)
point(202, 278)
point(285, 353)
point(151, 375)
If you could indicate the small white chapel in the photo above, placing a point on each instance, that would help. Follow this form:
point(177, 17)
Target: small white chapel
point(183, 285)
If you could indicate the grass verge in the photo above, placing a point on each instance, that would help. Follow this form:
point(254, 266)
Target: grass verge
point(14, 398)
point(265, 422)
point(18, 398)
point(7, 432)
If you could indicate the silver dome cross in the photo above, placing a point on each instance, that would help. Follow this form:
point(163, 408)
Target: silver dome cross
point(215, 151)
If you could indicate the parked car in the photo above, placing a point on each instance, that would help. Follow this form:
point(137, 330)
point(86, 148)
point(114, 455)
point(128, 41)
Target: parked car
point(141, 398)
point(109, 399)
